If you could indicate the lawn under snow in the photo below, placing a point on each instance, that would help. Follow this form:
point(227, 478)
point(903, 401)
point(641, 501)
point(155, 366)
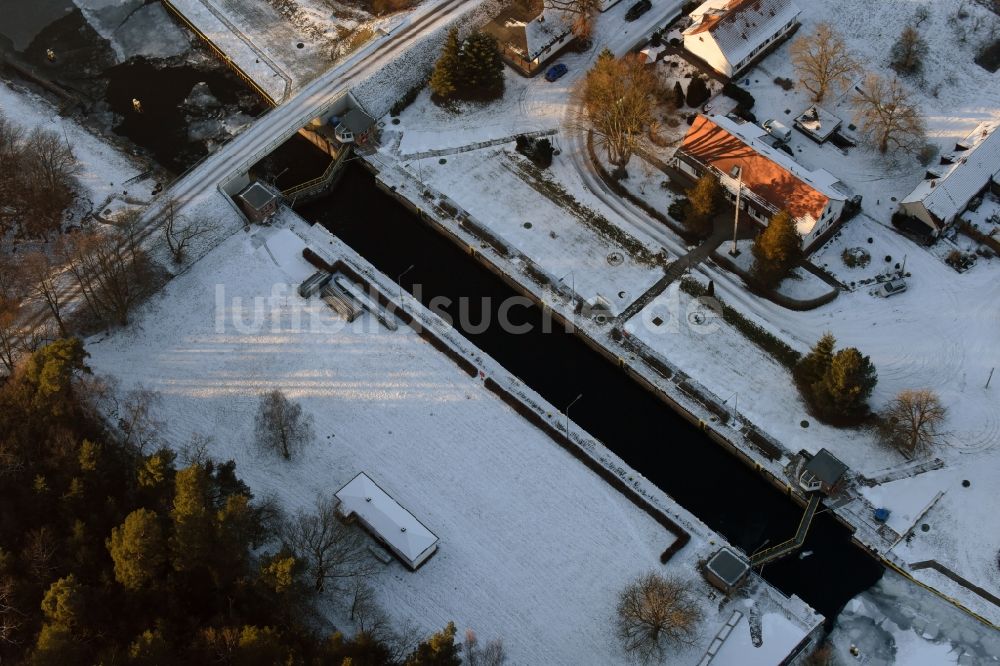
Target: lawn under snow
point(534, 546)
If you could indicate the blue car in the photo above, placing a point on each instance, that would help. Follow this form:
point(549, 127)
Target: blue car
point(556, 72)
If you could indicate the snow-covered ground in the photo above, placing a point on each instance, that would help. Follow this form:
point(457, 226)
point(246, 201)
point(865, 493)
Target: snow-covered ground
point(534, 546)
point(491, 186)
point(283, 46)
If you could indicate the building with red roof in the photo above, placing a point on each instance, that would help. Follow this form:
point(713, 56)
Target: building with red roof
point(739, 154)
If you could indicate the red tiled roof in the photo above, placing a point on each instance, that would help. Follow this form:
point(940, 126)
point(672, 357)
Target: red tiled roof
point(716, 147)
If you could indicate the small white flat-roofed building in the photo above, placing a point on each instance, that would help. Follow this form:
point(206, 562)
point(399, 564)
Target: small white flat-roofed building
point(960, 176)
point(730, 35)
point(387, 520)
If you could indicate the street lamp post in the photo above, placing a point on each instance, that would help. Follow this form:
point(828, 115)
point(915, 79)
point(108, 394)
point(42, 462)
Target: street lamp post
point(736, 219)
point(736, 405)
point(399, 281)
point(567, 413)
point(572, 276)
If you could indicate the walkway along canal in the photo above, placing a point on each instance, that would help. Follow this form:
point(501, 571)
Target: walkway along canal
point(658, 443)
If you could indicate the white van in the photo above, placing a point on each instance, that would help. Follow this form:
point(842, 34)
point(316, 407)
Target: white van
point(778, 131)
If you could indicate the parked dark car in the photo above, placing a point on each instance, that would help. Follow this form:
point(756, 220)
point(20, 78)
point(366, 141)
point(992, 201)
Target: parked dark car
point(638, 9)
point(556, 72)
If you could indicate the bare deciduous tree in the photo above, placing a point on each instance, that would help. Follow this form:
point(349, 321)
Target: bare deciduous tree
point(37, 181)
point(490, 654)
point(583, 12)
point(281, 426)
point(39, 553)
point(912, 421)
point(618, 97)
point(654, 614)
point(367, 613)
point(11, 617)
point(889, 118)
point(40, 272)
point(10, 332)
point(111, 269)
point(335, 553)
point(823, 61)
point(137, 421)
point(908, 52)
point(179, 232)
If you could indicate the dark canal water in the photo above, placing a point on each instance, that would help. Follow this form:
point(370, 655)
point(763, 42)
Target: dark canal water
point(648, 435)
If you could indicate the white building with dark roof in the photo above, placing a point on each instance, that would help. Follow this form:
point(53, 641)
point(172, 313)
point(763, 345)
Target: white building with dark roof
point(530, 34)
point(960, 176)
point(729, 35)
point(387, 520)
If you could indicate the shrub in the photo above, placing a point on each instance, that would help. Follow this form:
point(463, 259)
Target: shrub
point(989, 57)
point(697, 92)
point(407, 99)
point(783, 83)
point(856, 257)
point(539, 151)
point(742, 97)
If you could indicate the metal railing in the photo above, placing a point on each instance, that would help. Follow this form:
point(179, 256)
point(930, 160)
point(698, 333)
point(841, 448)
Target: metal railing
point(793, 544)
point(226, 58)
point(320, 182)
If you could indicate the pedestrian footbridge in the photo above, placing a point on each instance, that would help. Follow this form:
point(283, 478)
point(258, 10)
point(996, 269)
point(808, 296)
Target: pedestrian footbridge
point(788, 547)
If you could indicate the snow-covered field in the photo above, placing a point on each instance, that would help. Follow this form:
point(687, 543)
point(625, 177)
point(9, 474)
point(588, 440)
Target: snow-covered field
point(534, 546)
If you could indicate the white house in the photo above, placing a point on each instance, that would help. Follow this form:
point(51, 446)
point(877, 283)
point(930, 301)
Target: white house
point(530, 34)
point(739, 154)
point(730, 34)
point(960, 176)
point(387, 521)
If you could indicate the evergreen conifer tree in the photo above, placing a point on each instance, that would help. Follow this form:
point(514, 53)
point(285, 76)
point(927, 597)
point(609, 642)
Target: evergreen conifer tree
point(698, 92)
point(445, 77)
point(194, 534)
point(776, 250)
point(704, 201)
point(482, 69)
point(439, 649)
point(137, 548)
point(678, 95)
point(814, 365)
point(845, 388)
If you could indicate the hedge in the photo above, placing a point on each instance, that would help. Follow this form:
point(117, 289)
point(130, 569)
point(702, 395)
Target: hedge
point(744, 98)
